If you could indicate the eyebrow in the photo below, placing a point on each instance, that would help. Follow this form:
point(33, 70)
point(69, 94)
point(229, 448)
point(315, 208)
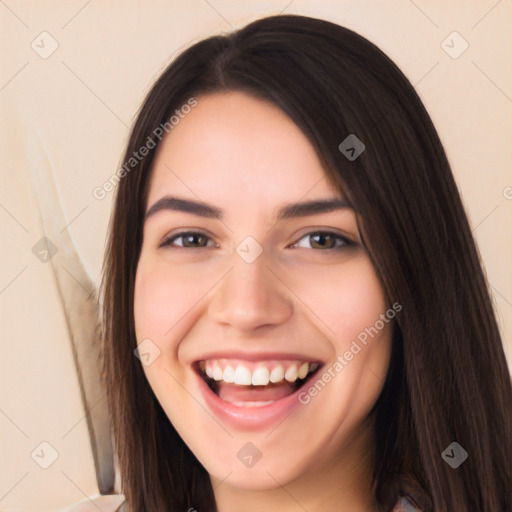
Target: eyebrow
point(288, 211)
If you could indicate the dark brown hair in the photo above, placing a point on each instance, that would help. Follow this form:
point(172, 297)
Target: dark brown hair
point(448, 378)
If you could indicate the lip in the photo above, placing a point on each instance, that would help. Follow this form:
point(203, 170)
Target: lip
point(251, 418)
point(258, 356)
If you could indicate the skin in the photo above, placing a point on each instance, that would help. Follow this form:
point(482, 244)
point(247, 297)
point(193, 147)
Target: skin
point(301, 296)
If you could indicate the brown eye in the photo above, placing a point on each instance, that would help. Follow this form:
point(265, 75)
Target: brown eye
point(325, 240)
point(187, 240)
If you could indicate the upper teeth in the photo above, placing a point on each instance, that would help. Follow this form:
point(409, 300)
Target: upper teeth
point(257, 374)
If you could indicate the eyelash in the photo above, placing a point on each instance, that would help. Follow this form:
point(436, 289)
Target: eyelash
point(168, 242)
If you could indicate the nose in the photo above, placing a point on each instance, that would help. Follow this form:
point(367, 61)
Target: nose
point(251, 296)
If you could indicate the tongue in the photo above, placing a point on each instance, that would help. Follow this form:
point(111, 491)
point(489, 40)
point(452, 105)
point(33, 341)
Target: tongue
point(235, 393)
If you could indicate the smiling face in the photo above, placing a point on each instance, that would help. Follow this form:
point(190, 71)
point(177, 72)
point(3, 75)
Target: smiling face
point(258, 308)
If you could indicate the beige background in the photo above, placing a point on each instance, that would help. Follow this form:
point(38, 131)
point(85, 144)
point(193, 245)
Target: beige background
point(64, 119)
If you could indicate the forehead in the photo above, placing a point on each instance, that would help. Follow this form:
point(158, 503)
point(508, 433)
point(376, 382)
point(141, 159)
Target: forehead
point(233, 147)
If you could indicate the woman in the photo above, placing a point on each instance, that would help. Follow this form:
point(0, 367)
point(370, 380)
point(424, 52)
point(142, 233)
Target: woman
point(295, 314)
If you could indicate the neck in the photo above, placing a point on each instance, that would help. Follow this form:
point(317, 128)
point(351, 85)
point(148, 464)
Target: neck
point(341, 482)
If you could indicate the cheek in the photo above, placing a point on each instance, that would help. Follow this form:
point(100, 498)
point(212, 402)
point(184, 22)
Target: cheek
point(361, 301)
point(163, 295)
point(152, 293)
point(161, 300)
point(346, 300)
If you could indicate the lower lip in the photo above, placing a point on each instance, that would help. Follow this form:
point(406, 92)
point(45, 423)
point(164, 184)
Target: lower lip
point(250, 418)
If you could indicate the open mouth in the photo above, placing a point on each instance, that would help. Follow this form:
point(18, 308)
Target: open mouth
point(255, 384)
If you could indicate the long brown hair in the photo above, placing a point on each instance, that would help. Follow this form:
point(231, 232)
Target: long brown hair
point(448, 379)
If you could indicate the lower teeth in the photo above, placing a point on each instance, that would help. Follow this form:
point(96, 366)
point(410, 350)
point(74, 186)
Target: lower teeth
point(213, 385)
point(252, 404)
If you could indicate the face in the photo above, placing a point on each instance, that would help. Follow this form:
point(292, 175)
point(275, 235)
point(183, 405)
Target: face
point(266, 325)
